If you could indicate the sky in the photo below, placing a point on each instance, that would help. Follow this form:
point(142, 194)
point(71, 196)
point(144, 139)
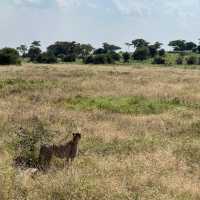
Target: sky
point(97, 21)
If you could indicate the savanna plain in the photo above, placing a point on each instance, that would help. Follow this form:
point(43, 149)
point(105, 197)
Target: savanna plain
point(140, 129)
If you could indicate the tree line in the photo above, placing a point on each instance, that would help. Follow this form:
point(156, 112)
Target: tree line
point(107, 54)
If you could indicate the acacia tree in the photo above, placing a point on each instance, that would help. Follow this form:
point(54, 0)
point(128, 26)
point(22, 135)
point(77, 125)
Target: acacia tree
point(22, 49)
point(34, 51)
point(139, 43)
point(177, 45)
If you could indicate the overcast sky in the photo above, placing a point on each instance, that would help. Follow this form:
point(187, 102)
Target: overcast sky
point(97, 21)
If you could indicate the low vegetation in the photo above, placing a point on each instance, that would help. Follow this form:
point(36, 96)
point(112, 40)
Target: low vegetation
point(140, 131)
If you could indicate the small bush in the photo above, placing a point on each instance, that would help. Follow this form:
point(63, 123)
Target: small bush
point(47, 58)
point(161, 52)
point(192, 60)
point(114, 56)
point(159, 60)
point(126, 57)
point(9, 56)
point(89, 60)
point(69, 58)
point(179, 60)
point(100, 59)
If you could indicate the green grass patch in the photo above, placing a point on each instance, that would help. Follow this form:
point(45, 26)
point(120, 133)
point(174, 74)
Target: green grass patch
point(129, 105)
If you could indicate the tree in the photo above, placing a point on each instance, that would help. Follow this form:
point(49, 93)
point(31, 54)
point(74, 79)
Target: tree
point(22, 49)
point(9, 56)
point(65, 48)
point(100, 51)
point(86, 50)
point(189, 46)
point(126, 57)
point(177, 45)
point(141, 53)
point(34, 53)
point(161, 52)
point(35, 44)
point(110, 47)
point(140, 43)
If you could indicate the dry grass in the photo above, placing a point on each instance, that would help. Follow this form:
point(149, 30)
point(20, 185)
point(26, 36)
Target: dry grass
point(123, 155)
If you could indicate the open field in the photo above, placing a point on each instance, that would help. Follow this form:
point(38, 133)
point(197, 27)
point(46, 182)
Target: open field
point(140, 126)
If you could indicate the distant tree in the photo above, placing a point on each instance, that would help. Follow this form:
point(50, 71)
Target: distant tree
point(65, 48)
point(114, 56)
point(22, 49)
point(141, 53)
point(126, 57)
point(198, 49)
point(139, 43)
point(35, 44)
point(9, 56)
point(100, 51)
point(34, 53)
point(86, 50)
point(190, 46)
point(177, 45)
point(110, 47)
point(161, 52)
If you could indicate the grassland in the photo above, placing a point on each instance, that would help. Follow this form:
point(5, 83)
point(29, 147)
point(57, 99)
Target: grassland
point(140, 126)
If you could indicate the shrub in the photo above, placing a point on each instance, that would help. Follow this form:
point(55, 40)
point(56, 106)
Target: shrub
point(126, 57)
point(114, 56)
point(100, 59)
point(141, 53)
point(159, 60)
point(47, 57)
point(89, 60)
point(28, 141)
point(179, 60)
point(161, 52)
point(9, 56)
point(192, 60)
point(69, 58)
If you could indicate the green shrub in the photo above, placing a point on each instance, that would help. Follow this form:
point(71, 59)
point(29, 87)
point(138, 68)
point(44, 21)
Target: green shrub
point(9, 56)
point(159, 60)
point(126, 57)
point(47, 57)
point(69, 58)
point(179, 60)
point(114, 56)
point(192, 60)
point(89, 60)
point(161, 52)
point(100, 59)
